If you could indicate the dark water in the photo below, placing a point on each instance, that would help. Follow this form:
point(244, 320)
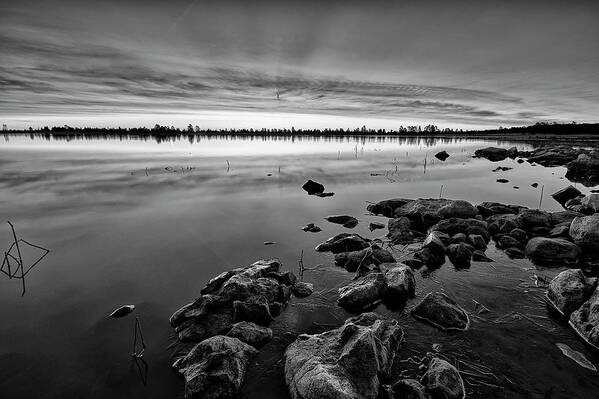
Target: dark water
point(132, 221)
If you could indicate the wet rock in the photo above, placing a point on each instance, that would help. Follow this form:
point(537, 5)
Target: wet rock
point(312, 228)
point(585, 320)
point(477, 241)
point(387, 207)
point(287, 278)
point(302, 289)
point(493, 154)
point(122, 311)
point(459, 255)
point(429, 258)
point(585, 232)
point(344, 242)
point(540, 231)
point(584, 169)
point(569, 290)
point(575, 204)
point(502, 180)
point(498, 208)
point(312, 187)
point(442, 155)
point(562, 196)
point(375, 226)
point(590, 203)
point(512, 152)
point(346, 221)
point(559, 231)
point(530, 218)
point(415, 264)
point(552, 251)
point(514, 253)
point(502, 223)
point(457, 238)
point(507, 241)
point(404, 389)
point(256, 310)
point(479, 256)
point(324, 195)
point(501, 169)
point(443, 381)
point(374, 255)
point(215, 368)
point(400, 230)
point(422, 212)
point(251, 333)
point(454, 226)
point(401, 284)
point(563, 217)
point(363, 293)
point(442, 312)
point(520, 236)
point(458, 209)
point(344, 363)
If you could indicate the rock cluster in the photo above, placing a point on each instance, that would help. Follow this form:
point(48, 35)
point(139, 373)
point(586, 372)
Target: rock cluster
point(228, 322)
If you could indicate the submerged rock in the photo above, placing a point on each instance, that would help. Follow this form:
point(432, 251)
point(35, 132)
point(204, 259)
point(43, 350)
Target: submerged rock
point(346, 221)
point(552, 251)
point(312, 187)
point(364, 292)
point(585, 232)
point(585, 320)
point(215, 368)
point(565, 194)
point(442, 312)
point(344, 242)
point(251, 333)
point(443, 381)
point(569, 290)
point(344, 363)
point(493, 154)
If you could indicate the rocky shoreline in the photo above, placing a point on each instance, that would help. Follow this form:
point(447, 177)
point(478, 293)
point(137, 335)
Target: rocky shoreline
point(223, 330)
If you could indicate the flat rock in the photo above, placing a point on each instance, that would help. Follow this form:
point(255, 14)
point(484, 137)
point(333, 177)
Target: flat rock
point(251, 333)
point(565, 194)
point(215, 368)
point(569, 290)
point(442, 312)
point(363, 292)
point(585, 232)
point(344, 363)
point(552, 251)
point(344, 242)
point(443, 381)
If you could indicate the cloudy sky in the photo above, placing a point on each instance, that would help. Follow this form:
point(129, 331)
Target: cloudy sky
point(334, 63)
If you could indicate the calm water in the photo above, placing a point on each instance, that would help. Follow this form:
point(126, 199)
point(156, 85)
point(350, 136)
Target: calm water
point(133, 221)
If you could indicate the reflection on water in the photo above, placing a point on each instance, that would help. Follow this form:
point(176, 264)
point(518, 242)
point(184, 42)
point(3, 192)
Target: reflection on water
point(131, 220)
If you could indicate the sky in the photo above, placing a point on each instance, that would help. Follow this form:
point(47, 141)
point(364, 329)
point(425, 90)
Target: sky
point(220, 64)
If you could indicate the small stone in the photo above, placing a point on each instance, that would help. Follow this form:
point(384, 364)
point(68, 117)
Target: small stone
point(312, 228)
point(302, 289)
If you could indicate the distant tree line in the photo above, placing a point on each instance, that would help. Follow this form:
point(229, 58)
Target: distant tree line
point(170, 131)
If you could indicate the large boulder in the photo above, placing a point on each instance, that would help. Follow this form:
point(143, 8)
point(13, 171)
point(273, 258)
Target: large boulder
point(584, 169)
point(585, 320)
point(569, 290)
point(344, 363)
point(387, 207)
point(344, 242)
point(493, 154)
point(458, 209)
point(374, 255)
point(251, 333)
point(565, 194)
point(401, 284)
point(552, 251)
point(443, 381)
point(400, 231)
point(363, 292)
point(531, 218)
point(442, 312)
point(422, 212)
point(585, 232)
point(215, 368)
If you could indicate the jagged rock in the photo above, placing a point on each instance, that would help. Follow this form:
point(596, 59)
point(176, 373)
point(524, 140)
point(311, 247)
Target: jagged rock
point(590, 203)
point(401, 284)
point(432, 252)
point(493, 154)
point(312, 228)
point(375, 255)
point(400, 230)
point(312, 187)
point(552, 251)
point(458, 209)
point(215, 368)
point(443, 381)
point(387, 207)
point(514, 253)
point(302, 289)
point(346, 221)
point(585, 232)
point(585, 320)
point(442, 312)
point(562, 196)
point(404, 389)
point(375, 226)
point(584, 169)
point(255, 309)
point(345, 363)
point(569, 290)
point(251, 333)
point(442, 155)
point(459, 254)
point(454, 226)
point(477, 241)
point(364, 292)
point(344, 242)
point(530, 218)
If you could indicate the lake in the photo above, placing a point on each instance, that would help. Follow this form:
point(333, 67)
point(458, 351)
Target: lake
point(136, 221)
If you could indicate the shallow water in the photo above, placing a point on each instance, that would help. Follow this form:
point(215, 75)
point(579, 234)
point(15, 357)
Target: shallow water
point(147, 223)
